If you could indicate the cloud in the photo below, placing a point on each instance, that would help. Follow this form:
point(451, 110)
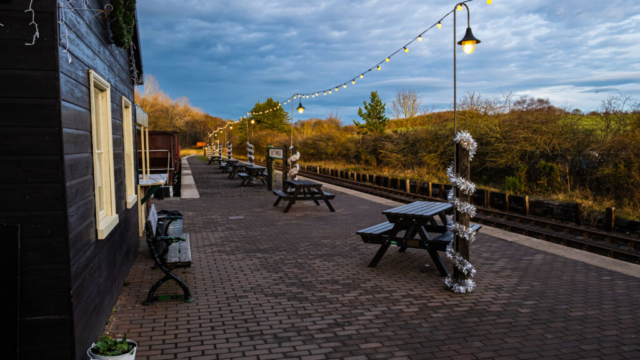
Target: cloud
point(227, 55)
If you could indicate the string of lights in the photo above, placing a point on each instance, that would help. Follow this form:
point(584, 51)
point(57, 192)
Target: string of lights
point(377, 66)
point(34, 23)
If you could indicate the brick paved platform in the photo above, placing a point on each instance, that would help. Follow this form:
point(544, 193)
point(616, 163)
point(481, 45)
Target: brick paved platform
point(297, 285)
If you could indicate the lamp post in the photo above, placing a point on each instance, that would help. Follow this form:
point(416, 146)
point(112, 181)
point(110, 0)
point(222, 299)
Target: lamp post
point(468, 44)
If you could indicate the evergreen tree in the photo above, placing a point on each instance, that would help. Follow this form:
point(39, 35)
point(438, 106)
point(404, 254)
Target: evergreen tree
point(276, 120)
point(373, 115)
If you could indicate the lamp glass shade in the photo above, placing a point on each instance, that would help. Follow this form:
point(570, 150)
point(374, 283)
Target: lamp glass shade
point(300, 109)
point(469, 42)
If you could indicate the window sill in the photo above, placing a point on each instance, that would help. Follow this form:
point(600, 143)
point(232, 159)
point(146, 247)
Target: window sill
point(131, 201)
point(106, 226)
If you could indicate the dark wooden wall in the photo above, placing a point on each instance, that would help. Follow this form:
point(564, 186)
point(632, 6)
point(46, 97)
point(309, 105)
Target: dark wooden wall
point(31, 186)
point(47, 183)
point(98, 267)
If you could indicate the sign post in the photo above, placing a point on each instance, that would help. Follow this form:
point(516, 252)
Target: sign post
point(275, 153)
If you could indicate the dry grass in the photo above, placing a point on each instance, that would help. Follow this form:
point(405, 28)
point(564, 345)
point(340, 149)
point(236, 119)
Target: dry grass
point(189, 152)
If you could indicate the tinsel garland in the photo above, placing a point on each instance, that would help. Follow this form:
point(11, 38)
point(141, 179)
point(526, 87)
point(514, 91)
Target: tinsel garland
point(250, 151)
point(295, 168)
point(219, 149)
point(464, 139)
point(122, 22)
point(229, 149)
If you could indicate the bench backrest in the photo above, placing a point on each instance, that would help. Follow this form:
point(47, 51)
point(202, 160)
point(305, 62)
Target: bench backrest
point(152, 221)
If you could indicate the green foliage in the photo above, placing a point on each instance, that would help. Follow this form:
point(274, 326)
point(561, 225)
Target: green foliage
point(274, 120)
point(512, 185)
point(122, 22)
point(107, 346)
point(375, 120)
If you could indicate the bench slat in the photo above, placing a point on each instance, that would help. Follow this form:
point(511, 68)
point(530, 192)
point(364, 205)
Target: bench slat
point(180, 253)
point(281, 193)
point(376, 229)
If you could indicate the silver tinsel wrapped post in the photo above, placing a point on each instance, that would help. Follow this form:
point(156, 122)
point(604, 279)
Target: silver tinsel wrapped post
point(460, 196)
point(250, 152)
point(229, 150)
point(219, 150)
point(293, 163)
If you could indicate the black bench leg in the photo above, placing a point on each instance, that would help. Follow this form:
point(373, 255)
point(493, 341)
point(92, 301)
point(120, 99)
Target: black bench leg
point(438, 262)
point(326, 201)
point(277, 201)
point(379, 255)
point(151, 298)
point(316, 201)
point(291, 201)
point(410, 234)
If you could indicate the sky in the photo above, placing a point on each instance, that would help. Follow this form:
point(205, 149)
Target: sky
point(225, 56)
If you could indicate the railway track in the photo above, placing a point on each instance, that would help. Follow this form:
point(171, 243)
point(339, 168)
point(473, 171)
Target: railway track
point(613, 245)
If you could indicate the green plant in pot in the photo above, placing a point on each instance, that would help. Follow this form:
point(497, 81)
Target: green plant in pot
point(113, 349)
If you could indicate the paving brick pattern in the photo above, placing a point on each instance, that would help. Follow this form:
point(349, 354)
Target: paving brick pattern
point(297, 286)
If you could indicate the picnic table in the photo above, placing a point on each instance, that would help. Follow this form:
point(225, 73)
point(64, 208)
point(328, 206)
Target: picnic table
point(235, 168)
point(252, 173)
point(418, 218)
point(226, 164)
point(303, 190)
point(215, 159)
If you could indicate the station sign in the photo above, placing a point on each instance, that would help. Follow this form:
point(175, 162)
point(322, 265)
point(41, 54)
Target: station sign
point(276, 154)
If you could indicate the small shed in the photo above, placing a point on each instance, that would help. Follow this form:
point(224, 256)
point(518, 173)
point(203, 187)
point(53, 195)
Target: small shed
point(69, 172)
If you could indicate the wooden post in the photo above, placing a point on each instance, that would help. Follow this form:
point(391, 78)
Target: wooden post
point(487, 198)
point(461, 245)
point(374, 179)
point(526, 205)
point(443, 192)
point(430, 188)
point(408, 185)
point(148, 149)
point(610, 219)
point(579, 210)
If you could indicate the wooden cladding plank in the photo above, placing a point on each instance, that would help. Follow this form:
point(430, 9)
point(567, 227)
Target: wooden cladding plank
point(29, 113)
point(28, 84)
point(78, 165)
point(32, 197)
point(43, 251)
point(10, 235)
point(79, 190)
point(84, 36)
point(17, 56)
point(75, 117)
point(77, 142)
point(36, 279)
point(17, 27)
point(31, 169)
point(75, 93)
point(41, 224)
point(29, 141)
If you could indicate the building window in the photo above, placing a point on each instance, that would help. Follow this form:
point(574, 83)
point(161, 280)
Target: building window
point(129, 160)
point(103, 177)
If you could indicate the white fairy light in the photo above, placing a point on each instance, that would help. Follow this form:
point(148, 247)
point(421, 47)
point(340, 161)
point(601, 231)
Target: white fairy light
point(33, 22)
point(295, 168)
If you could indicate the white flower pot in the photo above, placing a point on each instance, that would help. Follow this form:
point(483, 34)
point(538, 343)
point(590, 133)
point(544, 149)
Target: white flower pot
point(129, 356)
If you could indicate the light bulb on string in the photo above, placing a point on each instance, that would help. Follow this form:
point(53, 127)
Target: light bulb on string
point(439, 25)
point(353, 81)
point(344, 85)
point(329, 91)
point(419, 37)
point(406, 49)
point(459, 7)
point(387, 59)
point(336, 88)
point(317, 93)
point(325, 93)
point(379, 68)
point(361, 76)
point(489, 2)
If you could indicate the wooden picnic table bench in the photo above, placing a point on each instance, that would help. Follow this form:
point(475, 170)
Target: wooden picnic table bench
point(252, 173)
point(170, 248)
point(303, 190)
point(225, 165)
point(215, 159)
point(235, 168)
point(418, 218)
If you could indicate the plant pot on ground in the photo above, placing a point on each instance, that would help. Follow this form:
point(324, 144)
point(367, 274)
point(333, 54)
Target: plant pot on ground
point(113, 349)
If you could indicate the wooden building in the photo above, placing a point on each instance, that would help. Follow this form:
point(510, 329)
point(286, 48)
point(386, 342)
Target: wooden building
point(69, 173)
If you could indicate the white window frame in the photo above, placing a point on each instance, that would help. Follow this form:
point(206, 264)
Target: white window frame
point(102, 141)
point(129, 161)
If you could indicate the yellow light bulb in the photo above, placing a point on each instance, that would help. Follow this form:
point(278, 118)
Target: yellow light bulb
point(489, 2)
point(317, 94)
point(468, 46)
point(361, 76)
point(336, 88)
point(231, 127)
point(253, 121)
point(420, 38)
point(406, 50)
point(353, 82)
point(329, 91)
point(439, 25)
point(459, 7)
point(325, 93)
point(344, 86)
point(379, 68)
point(387, 59)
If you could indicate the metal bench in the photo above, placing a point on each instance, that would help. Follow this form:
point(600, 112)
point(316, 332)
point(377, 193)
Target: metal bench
point(170, 249)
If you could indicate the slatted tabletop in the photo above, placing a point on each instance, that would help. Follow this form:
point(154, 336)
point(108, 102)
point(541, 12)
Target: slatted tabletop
point(417, 210)
point(303, 183)
point(255, 167)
